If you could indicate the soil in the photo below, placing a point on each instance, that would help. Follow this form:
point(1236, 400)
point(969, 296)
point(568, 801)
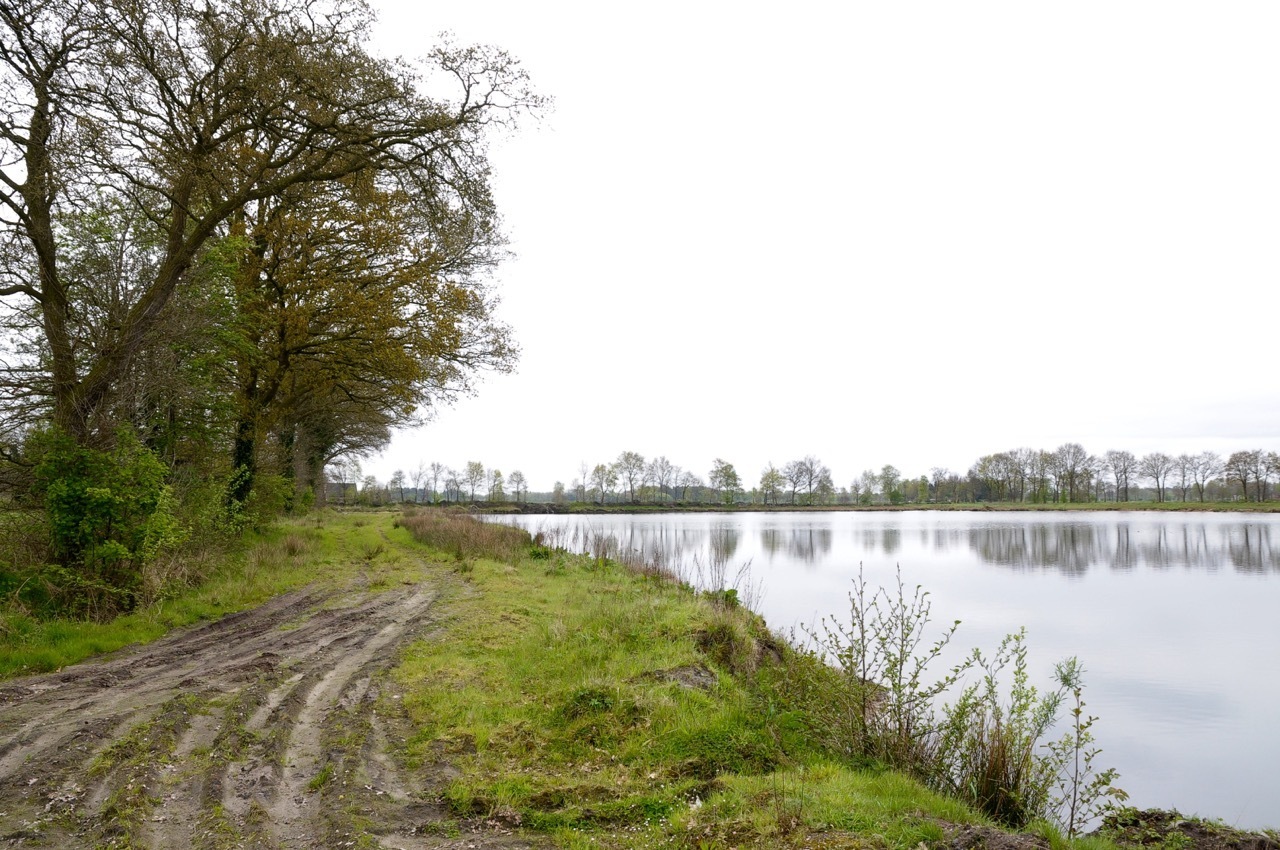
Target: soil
point(272, 728)
point(1168, 830)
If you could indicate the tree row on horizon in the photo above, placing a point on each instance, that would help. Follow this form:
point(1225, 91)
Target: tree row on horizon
point(1068, 474)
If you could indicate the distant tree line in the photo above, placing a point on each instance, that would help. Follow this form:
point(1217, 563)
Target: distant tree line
point(1068, 474)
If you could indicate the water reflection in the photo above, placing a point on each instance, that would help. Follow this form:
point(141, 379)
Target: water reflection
point(1068, 548)
point(1067, 545)
point(1073, 548)
point(1250, 549)
point(891, 539)
point(723, 544)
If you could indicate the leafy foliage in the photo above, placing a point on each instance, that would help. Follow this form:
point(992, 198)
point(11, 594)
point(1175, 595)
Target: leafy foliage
point(877, 703)
point(109, 511)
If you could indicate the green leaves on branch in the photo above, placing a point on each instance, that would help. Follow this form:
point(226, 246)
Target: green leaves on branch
point(882, 706)
point(109, 512)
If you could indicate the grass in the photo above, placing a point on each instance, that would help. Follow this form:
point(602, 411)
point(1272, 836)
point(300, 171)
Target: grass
point(598, 705)
point(284, 557)
point(610, 708)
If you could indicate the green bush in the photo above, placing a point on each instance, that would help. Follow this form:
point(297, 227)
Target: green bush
point(868, 693)
point(109, 511)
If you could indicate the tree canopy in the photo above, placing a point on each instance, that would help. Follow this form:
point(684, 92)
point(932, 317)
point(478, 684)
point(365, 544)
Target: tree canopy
point(232, 233)
point(250, 163)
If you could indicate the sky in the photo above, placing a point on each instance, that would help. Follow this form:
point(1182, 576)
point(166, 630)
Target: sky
point(876, 233)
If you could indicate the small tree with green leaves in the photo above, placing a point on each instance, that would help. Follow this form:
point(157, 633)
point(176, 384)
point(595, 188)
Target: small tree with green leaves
point(725, 479)
point(1082, 792)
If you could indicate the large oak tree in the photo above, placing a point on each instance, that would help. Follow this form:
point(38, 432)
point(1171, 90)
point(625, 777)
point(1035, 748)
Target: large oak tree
point(198, 123)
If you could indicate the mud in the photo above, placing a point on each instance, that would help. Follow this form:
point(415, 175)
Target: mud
point(272, 728)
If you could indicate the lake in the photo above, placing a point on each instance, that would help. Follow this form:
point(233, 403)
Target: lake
point(1176, 617)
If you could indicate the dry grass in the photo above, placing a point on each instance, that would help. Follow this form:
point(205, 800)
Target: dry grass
point(465, 536)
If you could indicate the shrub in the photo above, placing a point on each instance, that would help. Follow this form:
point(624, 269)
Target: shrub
point(873, 701)
point(109, 512)
point(987, 749)
point(881, 707)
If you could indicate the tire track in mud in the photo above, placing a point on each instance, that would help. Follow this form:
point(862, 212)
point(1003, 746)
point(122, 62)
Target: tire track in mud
point(266, 729)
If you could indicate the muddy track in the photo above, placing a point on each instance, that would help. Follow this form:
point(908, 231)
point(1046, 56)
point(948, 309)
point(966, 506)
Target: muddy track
point(272, 728)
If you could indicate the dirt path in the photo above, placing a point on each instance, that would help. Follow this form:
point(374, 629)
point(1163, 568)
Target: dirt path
point(272, 728)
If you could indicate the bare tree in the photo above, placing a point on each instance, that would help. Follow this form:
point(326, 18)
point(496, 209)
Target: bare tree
point(397, 483)
point(1097, 470)
point(493, 483)
point(1123, 466)
point(1072, 464)
point(661, 474)
point(1020, 463)
point(794, 473)
point(938, 476)
point(345, 472)
point(1156, 467)
point(1241, 466)
point(438, 473)
point(1208, 465)
point(1184, 465)
point(418, 476)
point(816, 478)
point(689, 481)
point(1261, 473)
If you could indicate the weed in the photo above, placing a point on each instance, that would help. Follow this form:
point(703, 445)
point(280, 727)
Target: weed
point(321, 779)
point(881, 706)
point(465, 536)
point(878, 705)
point(1084, 793)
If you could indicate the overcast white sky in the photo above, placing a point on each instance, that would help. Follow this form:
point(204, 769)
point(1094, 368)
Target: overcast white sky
point(895, 232)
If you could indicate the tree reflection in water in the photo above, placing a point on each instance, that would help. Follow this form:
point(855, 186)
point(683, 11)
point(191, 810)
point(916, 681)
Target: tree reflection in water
point(1070, 546)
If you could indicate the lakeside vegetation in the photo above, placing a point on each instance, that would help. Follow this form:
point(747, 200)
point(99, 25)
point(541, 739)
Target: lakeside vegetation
point(210, 290)
point(605, 703)
point(216, 299)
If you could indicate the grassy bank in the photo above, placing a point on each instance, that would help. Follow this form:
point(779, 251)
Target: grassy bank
point(572, 698)
point(611, 707)
point(324, 547)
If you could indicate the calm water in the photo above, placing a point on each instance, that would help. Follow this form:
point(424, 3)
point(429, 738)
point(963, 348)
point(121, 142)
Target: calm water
point(1175, 618)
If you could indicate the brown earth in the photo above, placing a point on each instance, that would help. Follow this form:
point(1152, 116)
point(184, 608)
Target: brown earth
point(272, 728)
point(1168, 830)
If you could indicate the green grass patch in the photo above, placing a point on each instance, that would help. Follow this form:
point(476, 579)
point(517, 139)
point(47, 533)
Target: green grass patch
point(326, 548)
point(608, 708)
